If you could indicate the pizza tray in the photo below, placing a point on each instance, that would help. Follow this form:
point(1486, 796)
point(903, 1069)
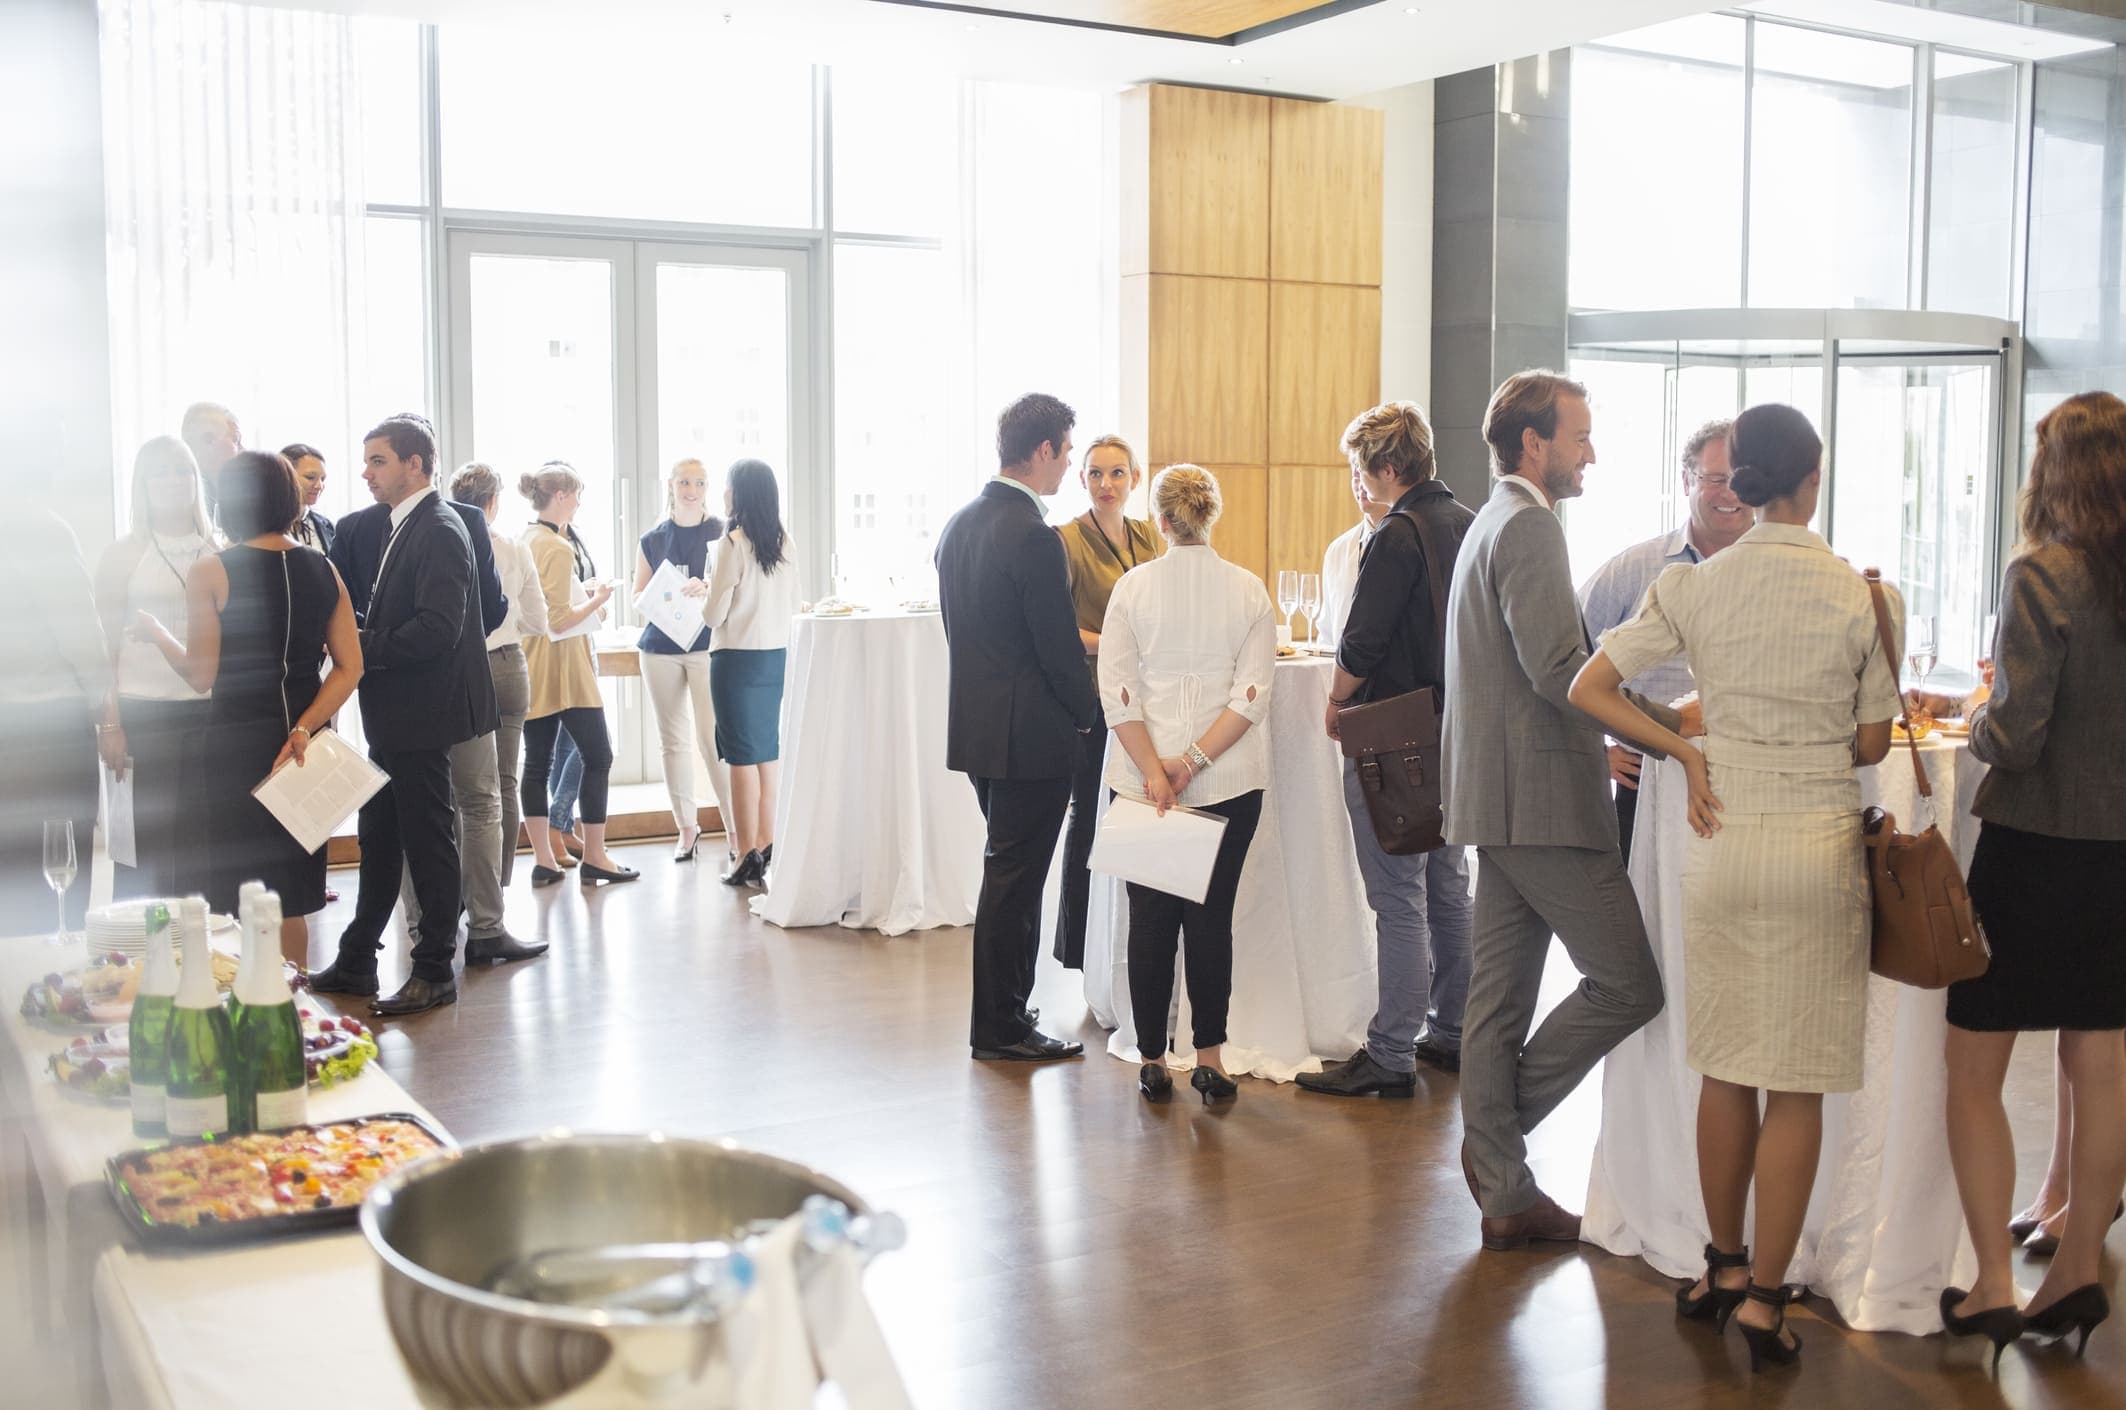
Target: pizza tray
point(153, 1233)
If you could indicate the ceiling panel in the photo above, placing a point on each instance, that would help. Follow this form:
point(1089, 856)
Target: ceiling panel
point(1220, 20)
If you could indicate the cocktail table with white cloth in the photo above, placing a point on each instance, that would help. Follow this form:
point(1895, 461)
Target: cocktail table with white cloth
point(877, 834)
point(1884, 1232)
point(1303, 965)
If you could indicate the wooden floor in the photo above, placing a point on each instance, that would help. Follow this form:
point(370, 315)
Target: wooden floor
point(1071, 1246)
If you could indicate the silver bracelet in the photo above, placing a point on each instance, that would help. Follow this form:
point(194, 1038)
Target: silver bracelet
point(1198, 761)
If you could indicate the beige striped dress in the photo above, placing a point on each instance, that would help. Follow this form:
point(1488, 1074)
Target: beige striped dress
point(1781, 638)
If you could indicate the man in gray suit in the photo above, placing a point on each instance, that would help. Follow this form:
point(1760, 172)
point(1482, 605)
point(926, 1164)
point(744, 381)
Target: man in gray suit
point(1527, 784)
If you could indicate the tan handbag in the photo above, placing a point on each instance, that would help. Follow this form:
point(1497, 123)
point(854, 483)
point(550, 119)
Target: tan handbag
point(1926, 933)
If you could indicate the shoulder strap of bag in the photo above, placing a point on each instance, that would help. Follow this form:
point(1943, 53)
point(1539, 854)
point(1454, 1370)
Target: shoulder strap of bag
point(1889, 650)
point(1435, 563)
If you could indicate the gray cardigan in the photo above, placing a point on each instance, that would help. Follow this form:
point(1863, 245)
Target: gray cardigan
point(2050, 731)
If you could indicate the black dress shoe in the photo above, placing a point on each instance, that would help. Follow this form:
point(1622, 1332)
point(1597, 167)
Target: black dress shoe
point(1429, 1052)
point(750, 869)
point(336, 978)
point(1360, 1077)
point(546, 876)
point(502, 949)
point(417, 995)
point(591, 875)
point(1155, 1082)
point(1034, 1047)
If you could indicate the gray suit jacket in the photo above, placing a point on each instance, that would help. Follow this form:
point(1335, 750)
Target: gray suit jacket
point(1524, 766)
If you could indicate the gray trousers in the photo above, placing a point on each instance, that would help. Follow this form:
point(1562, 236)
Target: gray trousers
point(1511, 1081)
point(512, 703)
point(476, 791)
point(1421, 917)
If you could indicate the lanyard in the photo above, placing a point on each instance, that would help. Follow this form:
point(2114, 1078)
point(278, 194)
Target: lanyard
point(1112, 551)
point(156, 542)
point(585, 567)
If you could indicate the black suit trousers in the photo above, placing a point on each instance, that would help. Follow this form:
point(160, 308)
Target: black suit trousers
point(1627, 816)
point(1024, 817)
point(412, 824)
point(1078, 849)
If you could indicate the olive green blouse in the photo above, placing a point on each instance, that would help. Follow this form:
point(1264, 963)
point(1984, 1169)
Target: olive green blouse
point(1097, 563)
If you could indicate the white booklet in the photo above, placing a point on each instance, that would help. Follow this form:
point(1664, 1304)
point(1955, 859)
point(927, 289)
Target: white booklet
point(118, 817)
point(665, 606)
point(578, 594)
point(1173, 854)
point(313, 800)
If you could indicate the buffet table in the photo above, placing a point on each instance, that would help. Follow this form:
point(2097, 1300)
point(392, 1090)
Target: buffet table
point(1304, 984)
point(879, 835)
point(1884, 1232)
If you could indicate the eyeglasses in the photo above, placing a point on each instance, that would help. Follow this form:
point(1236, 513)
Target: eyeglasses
point(1712, 482)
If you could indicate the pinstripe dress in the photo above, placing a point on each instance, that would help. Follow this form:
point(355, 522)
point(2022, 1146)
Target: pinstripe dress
point(1781, 638)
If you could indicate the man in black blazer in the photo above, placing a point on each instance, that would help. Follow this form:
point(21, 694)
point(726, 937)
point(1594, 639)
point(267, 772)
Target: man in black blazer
point(426, 687)
point(1020, 698)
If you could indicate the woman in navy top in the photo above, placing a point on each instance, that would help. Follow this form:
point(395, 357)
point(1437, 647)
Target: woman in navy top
point(676, 673)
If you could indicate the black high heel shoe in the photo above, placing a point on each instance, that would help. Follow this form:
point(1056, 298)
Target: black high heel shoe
point(1214, 1085)
point(2078, 1312)
point(1999, 1325)
point(1770, 1343)
point(1155, 1082)
point(750, 869)
point(1716, 1302)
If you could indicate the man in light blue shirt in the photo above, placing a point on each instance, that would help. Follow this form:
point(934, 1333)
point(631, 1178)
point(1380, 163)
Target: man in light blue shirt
point(1611, 596)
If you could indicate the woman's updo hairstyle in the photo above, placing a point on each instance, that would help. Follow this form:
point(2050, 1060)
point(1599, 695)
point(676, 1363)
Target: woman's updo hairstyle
point(1393, 438)
point(1187, 498)
point(1773, 448)
point(555, 477)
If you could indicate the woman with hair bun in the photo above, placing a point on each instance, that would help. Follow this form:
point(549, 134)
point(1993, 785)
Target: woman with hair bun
point(1798, 692)
point(1187, 652)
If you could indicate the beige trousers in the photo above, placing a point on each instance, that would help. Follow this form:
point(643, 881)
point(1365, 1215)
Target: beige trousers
point(678, 686)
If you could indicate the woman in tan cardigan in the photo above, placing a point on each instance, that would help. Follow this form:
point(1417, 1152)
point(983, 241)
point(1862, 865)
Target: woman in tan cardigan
point(564, 677)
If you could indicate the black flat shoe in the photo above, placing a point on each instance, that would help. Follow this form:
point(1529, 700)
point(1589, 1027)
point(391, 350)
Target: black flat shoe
point(749, 870)
point(1213, 1085)
point(591, 875)
point(502, 949)
point(1716, 1304)
point(1429, 1051)
point(2079, 1312)
point(1155, 1082)
point(336, 978)
point(1034, 1047)
point(1999, 1325)
point(417, 995)
point(546, 876)
point(2039, 1244)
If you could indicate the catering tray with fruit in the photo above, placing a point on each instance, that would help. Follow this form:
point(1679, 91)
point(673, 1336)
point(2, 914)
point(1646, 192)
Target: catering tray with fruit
point(270, 1184)
point(101, 991)
point(99, 1065)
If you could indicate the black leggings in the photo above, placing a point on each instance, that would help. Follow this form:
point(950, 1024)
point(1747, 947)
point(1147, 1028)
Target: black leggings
point(1158, 919)
point(586, 727)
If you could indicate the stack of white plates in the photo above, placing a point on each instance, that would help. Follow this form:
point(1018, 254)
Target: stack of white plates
point(122, 928)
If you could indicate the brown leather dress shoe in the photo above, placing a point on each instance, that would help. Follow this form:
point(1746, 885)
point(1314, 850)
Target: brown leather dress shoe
point(1542, 1221)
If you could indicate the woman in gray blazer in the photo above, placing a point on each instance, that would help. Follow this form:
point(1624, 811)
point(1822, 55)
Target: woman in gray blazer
point(2045, 875)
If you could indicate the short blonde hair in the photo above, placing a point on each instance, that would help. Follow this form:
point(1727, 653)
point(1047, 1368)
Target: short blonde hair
point(1187, 497)
point(1117, 443)
point(555, 477)
point(1393, 437)
point(475, 483)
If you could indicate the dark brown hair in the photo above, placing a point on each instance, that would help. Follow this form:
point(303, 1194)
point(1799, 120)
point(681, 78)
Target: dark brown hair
point(1526, 401)
point(2076, 496)
point(409, 435)
point(1029, 421)
point(300, 450)
point(256, 494)
point(1772, 449)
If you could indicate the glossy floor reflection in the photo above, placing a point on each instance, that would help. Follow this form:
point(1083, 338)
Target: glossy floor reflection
point(1071, 1246)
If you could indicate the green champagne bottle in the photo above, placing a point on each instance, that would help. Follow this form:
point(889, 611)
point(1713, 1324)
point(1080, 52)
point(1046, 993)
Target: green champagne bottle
point(148, 1027)
point(196, 1090)
point(247, 898)
point(274, 1085)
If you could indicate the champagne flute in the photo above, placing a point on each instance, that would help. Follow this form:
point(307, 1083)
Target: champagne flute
point(1288, 595)
point(1921, 651)
point(1310, 603)
point(60, 867)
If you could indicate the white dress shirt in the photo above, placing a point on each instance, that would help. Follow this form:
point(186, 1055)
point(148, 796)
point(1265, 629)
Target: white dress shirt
point(1535, 491)
point(520, 584)
point(1189, 636)
point(746, 609)
point(399, 513)
point(1339, 578)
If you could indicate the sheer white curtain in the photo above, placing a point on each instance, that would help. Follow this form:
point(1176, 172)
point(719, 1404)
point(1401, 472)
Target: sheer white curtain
point(234, 220)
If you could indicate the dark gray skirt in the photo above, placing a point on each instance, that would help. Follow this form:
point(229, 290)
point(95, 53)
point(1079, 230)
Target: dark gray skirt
point(2050, 909)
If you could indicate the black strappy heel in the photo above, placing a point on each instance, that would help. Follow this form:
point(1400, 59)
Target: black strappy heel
point(1717, 1303)
point(1770, 1343)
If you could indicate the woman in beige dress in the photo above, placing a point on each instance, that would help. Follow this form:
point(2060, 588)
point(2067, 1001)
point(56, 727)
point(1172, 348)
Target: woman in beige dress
point(1781, 637)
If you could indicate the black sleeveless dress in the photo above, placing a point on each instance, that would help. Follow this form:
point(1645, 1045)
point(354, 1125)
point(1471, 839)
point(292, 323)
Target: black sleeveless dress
point(272, 648)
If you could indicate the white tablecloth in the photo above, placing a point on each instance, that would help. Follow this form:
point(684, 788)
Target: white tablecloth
point(875, 833)
point(1884, 1232)
point(1303, 964)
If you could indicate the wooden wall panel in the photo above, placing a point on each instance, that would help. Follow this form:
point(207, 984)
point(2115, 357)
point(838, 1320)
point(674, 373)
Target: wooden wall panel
point(1242, 535)
point(1309, 506)
point(1201, 193)
point(1324, 367)
point(1209, 372)
point(1325, 192)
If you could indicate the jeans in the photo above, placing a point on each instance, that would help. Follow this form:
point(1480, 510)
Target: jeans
point(1421, 920)
point(567, 784)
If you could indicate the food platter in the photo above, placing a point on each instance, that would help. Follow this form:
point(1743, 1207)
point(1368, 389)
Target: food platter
point(101, 992)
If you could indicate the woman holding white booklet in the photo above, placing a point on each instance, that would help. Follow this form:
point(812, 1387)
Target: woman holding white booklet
point(1186, 660)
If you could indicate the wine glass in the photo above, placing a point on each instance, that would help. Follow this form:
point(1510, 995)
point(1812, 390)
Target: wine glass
point(1921, 649)
point(1288, 595)
point(1310, 602)
point(60, 866)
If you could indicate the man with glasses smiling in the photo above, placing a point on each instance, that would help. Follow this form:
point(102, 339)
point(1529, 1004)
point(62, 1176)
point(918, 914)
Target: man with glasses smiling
point(1611, 596)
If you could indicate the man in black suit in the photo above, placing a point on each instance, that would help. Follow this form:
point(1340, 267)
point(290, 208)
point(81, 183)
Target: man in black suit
point(1020, 698)
point(426, 687)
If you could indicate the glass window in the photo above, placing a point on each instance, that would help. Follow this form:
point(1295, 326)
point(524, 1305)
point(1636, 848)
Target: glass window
point(1669, 99)
point(1830, 165)
point(1971, 195)
point(387, 71)
point(610, 122)
point(391, 361)
point(1628, 499)
point(723, 370)
point(896, 153)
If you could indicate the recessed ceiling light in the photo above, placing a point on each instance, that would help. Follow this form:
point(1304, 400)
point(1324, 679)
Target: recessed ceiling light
point(1236, 61)
point(1409, 9)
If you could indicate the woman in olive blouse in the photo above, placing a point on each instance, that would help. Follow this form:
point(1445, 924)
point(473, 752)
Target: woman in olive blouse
point(1099, 546)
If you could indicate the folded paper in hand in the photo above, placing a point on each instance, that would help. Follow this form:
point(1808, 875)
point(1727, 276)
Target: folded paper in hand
point(313, 800)
point(665, 606)
point(1173, 854)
